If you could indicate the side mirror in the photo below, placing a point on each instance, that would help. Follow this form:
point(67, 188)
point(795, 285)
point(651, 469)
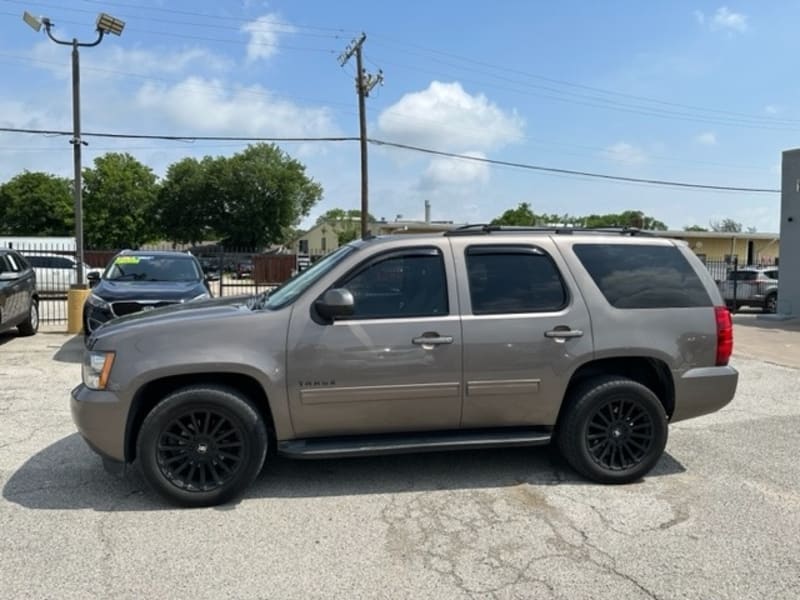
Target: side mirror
point(93, 277)
point(335, 303)
point(8, 276)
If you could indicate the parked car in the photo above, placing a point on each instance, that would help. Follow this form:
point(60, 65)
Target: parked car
point(136, 281)
point(19, 300)
point(480, 337)
point(210, 266)
point(244, 269)
point(756, 287)
point(55, 273)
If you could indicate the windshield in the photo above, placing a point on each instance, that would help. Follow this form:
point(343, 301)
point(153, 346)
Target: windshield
point(152, 268)
point(298, 284)
point(742, 276)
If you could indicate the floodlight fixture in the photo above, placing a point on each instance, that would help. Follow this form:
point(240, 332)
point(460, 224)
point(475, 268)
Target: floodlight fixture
point(34, 22)
point(108, 24)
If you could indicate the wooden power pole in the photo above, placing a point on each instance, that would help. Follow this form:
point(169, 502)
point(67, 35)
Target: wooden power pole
point(365, 82)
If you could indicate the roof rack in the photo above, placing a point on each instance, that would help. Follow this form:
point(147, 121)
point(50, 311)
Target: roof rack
point(485, 229)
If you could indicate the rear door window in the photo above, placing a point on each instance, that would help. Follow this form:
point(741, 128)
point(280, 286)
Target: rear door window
point(642, 276)
point(513, 279)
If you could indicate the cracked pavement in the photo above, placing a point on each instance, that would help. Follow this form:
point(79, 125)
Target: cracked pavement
point(718, 518)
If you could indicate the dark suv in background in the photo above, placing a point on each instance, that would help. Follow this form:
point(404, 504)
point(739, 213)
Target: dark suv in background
point(137, 281)
point(19, 300)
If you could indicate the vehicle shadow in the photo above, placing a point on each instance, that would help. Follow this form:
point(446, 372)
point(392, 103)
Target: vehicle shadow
point(71, 351)
point(8, 336)
point(68, 476)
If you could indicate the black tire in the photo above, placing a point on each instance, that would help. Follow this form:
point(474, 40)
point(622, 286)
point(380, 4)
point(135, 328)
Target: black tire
point(771, 304)
point(202, 445)
point(31, 324)
point(614, 430)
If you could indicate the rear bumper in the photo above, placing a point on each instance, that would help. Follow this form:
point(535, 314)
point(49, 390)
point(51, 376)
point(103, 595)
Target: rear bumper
point(101, 419)
point(703, 391)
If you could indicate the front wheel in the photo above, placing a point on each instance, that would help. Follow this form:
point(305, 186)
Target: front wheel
point(30, 325)
point(202, 446)
point(614, 430)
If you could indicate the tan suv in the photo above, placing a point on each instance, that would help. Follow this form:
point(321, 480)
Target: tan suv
point(480, 337)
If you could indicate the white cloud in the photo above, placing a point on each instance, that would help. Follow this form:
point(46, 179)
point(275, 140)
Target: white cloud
point(709, 138)
point(725, 19)
point(264, 35)
point(115, 61)
point(625, 153)
point(444, 171)
point(700, 17)
point(198, 104)
point(771, 109)
point(444, 116)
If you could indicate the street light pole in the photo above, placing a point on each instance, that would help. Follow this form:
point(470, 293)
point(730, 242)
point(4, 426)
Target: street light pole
point(105, 24)
point(76, 154)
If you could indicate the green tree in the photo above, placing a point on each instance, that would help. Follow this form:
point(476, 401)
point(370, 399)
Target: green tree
point(260, 193)
point(521, 215)
point(119, 196)
point(35, 203)
point(694, 228)
point(728, 225)
point(628, 218)
point(346, 223)
point(185, 211)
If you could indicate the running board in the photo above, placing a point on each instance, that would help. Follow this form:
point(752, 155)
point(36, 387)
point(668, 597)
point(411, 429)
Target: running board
point(372, 445)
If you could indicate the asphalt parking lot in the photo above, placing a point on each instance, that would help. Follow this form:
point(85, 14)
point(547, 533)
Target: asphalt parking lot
point(719, 518)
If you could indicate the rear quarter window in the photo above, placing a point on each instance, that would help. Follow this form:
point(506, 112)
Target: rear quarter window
point(641, 276)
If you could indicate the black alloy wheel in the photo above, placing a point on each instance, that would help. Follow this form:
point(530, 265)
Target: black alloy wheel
point(613, 429)
point(619, 434)
point(201, 450)
point(202, 445)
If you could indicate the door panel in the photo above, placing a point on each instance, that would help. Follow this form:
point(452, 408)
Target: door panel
point(525, 329)
point(395, 365)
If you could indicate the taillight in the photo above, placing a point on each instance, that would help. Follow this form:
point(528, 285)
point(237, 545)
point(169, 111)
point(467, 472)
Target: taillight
point(724, 335)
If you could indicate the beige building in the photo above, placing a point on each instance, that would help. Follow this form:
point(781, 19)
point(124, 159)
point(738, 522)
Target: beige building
point(749, 248)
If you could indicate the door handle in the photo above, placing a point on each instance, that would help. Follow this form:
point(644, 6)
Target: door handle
point(563, 333)
point(432, 340)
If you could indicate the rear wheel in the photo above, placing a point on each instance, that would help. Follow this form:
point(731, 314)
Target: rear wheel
point(614, 430)
point(771, 304)
point(30, 325)
point(202, 445)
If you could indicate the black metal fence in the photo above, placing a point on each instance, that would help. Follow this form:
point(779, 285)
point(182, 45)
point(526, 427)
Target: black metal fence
point(242, 271)
point(228, 271)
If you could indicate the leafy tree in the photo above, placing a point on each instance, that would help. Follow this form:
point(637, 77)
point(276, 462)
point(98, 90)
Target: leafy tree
point(119, 196)
point(694, 228)
point(186, 204)
point(629, 218)
point(35, 203)
point(728, 225)
point(521, 215)
point(346, 223)
point(259, 194)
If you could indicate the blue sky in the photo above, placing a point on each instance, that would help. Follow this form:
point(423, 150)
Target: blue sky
point(701, 92)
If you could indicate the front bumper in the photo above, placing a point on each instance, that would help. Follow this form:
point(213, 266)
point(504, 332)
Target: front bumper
point(703, 391)
point(101, 419)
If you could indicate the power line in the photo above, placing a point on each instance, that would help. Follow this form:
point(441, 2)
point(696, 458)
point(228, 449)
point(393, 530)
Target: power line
point(495, 67)
point(504, 163)
point(409, 147)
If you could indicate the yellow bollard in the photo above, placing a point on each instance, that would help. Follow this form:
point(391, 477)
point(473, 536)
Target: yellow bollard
point(75, 299)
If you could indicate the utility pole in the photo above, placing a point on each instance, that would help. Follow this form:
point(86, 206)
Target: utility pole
point(365, 82)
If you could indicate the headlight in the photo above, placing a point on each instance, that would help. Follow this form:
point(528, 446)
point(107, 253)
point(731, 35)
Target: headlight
point(98, 302)
point(96, 369)
point(203, 296)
